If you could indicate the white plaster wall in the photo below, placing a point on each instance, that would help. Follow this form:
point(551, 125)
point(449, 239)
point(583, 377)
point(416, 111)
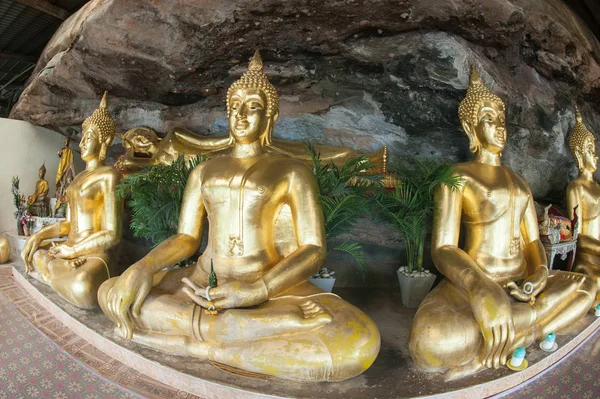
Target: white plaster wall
point(23, 149)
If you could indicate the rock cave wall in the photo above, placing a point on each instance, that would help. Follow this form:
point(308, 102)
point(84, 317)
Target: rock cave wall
point(359, 73)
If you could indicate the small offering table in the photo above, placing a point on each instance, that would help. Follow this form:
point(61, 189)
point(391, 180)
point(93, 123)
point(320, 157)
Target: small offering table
point(562, 249)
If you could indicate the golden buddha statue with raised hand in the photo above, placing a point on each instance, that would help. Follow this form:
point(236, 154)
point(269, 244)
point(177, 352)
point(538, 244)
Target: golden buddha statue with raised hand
point(584, 193)
point(481, 311)
point(266, 237)
point(76, 268)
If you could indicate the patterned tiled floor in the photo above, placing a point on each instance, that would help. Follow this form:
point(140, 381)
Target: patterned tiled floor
point(577, 376)
point(33, 366)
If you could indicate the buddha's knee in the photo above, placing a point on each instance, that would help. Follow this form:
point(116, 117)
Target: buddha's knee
point(84, 291)
point(438, 342)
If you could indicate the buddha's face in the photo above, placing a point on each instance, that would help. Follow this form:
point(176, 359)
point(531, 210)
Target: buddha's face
point(247, 115)
point(90, 143)
point(491, 128)
point(590, 160)
point(41, 173)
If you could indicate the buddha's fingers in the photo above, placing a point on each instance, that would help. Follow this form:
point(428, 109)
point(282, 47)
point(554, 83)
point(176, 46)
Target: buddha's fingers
point(509, 341)
point(139, 300)
point(492, 356)
point(190, 284)
point(196, 298)
point(503, 338)
point(488, 338)
point(122, 311)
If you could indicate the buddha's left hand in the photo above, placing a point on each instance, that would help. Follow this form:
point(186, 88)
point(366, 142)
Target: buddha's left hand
point(538, 279)
point(234, 294)
point(63, 252)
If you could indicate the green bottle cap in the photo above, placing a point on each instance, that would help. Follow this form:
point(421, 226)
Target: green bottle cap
point(551, 337)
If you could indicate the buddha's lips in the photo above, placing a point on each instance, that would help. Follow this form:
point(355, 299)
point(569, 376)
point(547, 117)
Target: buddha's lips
point(241, 125)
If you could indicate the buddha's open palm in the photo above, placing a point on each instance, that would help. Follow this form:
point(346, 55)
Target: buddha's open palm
point(128, 295)
point(492, 310)
point(230, 295)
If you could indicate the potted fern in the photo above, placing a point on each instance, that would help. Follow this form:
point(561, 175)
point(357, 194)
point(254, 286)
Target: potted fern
point(343, 193)
point(408, 209)
point(155, 196)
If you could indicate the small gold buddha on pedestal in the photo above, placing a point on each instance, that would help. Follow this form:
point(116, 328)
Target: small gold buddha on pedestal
point(479, 313)
point(38, 201)
point(266, 237)
point(76, 268)
point(584, 192)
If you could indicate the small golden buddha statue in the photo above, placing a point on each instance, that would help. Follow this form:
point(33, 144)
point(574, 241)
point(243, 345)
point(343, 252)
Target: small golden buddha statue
point(76, 268)
point(497, 294)
point(585, 192)
point(265, 238)
point(38, 202)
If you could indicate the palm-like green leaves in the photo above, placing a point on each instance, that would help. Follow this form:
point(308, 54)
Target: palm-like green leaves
point(343, 192)
point(155, 198)
point(409, 207)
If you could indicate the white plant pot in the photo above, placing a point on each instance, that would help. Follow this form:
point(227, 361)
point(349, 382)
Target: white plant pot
point(326, 284)
point(414, 288)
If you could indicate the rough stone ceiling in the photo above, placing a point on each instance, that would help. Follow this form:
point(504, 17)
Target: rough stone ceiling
point(25, 28)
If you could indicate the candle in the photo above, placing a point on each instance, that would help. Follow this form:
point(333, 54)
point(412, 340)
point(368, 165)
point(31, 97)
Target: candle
point(548, 343)
point(517, 358)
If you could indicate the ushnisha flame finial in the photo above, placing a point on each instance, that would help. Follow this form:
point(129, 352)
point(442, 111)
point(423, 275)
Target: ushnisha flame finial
point(102, 120)
point(255, 78)
point(579, 135)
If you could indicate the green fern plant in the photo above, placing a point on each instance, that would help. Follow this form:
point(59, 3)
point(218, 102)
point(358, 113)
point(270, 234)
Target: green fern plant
point(343, 191)
point(155, 195)
point(408, 208)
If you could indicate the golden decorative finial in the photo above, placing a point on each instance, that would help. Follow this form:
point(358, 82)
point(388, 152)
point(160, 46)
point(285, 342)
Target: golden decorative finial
point(477, 93)
point(578, 115)
point(102, 121)
point(579, 135)
point(255, 78)
point(256, 63)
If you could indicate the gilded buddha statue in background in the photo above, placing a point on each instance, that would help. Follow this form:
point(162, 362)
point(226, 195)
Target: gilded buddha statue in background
point(585, 192)
point(38, 201)
point(265, 238)
point(481, 312)
point(77, 267)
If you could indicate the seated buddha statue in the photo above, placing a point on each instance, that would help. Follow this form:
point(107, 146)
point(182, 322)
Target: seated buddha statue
point(76, 268)
point(38, 202)
point(584, 192)
point(496, 294)
point(265, 238)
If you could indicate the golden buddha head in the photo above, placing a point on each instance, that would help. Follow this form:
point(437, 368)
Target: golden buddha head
point(42, 171)
point(98, 131)
point(583, 145)
point(252, 105)
point(482, 116)
point(141, 141)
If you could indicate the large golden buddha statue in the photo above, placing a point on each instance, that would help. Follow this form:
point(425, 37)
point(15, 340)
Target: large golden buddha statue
point(497, 294)
point(584, 193)
point(265, 238)
point(76, 268)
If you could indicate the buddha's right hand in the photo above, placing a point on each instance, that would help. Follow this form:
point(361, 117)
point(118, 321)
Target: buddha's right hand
point(492, 310)
point(31, 245)
point(128, 295)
